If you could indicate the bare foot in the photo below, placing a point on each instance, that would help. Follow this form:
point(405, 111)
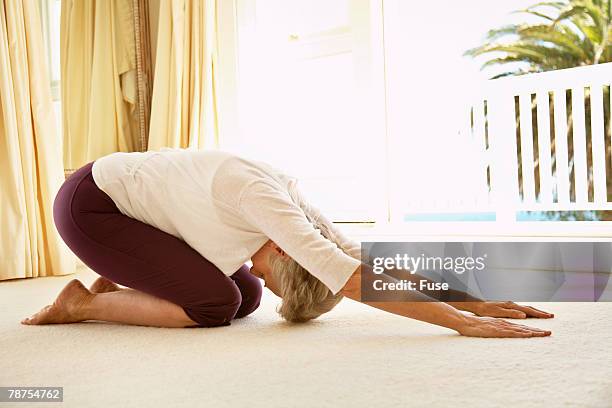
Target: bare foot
point(67, 308)
point(103, 285)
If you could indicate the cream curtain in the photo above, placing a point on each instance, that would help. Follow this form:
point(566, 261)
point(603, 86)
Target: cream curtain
point(31, 168)
point(183, 107)
point(99, 87)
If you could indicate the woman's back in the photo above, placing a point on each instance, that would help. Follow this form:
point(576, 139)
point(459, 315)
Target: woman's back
point(190, 194)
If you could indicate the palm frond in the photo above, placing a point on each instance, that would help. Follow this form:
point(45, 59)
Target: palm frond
point(508, 59)
point(570, 33)
point(497, 33)
point(505, 75)
point(534, 13)
point(566, 40)
point(582, 10)
point(515, 73)
point(590, 32)
point(554, 4)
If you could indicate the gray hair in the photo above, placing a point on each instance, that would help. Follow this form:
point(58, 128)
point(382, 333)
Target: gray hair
point(304, 297)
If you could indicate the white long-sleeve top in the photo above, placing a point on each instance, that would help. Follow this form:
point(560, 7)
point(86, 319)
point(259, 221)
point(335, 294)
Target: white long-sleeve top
point(224, 206)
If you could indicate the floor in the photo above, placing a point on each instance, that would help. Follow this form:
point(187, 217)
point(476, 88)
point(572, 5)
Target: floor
point(355, 356)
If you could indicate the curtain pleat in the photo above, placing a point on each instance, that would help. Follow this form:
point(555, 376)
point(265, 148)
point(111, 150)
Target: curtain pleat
point(31, 169)
point(184, 111)
point(99, 81)
point(144, 74)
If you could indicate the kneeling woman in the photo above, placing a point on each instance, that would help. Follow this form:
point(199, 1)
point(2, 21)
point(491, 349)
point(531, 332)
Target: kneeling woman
point(176, 227)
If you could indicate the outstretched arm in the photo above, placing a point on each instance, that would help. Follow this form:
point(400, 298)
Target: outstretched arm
point(473, 304)
point(420, 307)
point(429, 310)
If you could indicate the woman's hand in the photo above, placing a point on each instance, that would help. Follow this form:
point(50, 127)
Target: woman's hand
point(503, 309)
point(492, 327)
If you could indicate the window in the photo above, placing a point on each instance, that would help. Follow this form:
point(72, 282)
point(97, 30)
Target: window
point(444, 164)
point(375, 107)
point(310, 99)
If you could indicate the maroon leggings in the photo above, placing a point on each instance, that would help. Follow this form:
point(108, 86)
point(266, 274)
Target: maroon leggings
point(142, 257)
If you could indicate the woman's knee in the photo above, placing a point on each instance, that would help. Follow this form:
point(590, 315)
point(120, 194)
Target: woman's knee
point(216, 312)
point(251, 291)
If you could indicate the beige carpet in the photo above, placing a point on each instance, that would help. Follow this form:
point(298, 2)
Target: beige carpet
point(354, 357)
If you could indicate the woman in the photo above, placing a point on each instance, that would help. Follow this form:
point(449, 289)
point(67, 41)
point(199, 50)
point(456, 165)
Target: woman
point(176, 227)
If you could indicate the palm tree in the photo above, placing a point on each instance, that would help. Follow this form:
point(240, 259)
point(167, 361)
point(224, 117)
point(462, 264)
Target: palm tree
point(569, 34)
point(566, 34)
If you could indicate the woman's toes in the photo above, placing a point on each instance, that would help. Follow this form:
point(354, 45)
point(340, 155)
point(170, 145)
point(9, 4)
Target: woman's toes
point(67, 308)
point(45, 315)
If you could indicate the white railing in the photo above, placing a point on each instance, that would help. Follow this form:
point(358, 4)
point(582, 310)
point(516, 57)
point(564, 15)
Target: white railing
point(502, 121)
